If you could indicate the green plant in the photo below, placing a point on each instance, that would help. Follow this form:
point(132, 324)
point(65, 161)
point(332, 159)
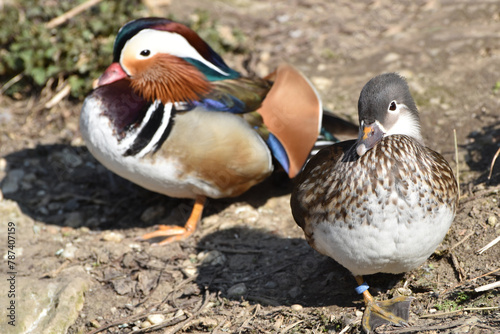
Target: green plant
point(76, 51)
point(496, 87)
point(453, 304)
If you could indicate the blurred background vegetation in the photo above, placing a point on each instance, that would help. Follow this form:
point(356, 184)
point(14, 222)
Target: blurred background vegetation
point(34, 55)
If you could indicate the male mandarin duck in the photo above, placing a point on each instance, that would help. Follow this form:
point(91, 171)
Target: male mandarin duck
point(169, 115)
point(381, 203)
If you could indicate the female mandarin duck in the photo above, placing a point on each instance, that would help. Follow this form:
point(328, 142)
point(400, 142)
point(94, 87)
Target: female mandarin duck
point(381, 203)
point(171, 116)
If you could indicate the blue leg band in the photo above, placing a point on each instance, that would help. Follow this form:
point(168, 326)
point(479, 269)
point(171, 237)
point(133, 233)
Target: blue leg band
point(362, 288)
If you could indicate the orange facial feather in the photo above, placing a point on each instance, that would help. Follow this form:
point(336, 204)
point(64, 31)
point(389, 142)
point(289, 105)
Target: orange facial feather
point(168, 78)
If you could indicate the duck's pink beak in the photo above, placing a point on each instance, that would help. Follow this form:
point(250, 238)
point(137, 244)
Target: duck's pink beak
point(113, 73)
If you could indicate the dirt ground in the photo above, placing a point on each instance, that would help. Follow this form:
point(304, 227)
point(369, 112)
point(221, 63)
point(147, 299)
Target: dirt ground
point(248, 268)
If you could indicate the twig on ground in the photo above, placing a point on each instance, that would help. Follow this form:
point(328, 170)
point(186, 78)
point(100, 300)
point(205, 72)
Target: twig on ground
point(491, 244)
point(457, 267)
point(71, 13)
point(186, 322)
point(488, 287)
point(493, 163)
point(349, 326)
point(58, 96)
point(126, 320)
point(11, 82)
point(461, 241)
point(247, 321)
point(469, 280)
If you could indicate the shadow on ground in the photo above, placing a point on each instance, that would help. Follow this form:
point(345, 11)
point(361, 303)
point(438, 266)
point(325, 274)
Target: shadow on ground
point(481, 148)
point(65, 186)
point(263, 268)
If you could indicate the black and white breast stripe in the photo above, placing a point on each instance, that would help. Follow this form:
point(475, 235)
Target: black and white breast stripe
point(151, 132)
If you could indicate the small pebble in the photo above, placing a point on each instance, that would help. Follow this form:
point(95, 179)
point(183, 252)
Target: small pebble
point(295, 33)
point(69, 251)
point(73, 219)
point(95, 323)
point(112, 236)
point(271, 285)
point(190, 271)
point(84, 229)
point(43, 210)
point(145, 324)
point(492, 221)
point(391, 57)
point(237, 290)
point(296, 307)
point(359, 314)
point(212, 257)
point(12, 180)
point(403, 292)
point(156, 319)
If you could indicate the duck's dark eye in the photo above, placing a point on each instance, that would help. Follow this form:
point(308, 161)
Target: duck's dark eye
point(145, 53)
point(392, 106)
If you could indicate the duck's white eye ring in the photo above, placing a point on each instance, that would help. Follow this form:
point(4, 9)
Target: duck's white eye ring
point(145, 53)
point(393, 106)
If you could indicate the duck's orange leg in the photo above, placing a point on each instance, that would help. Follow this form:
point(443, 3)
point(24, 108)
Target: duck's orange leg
point(176, 233)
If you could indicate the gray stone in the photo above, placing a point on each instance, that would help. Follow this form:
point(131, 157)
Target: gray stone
point(67, 157)
point(11, 182)
point(47, 305)
point(237, 290)
point(213, 257)
point(73, 219)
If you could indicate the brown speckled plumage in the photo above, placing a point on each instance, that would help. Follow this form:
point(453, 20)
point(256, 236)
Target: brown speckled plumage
point(347, 180)
point(381, 203)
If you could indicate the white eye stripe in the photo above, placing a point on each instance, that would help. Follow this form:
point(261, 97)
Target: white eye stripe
point(405, 124)
point(156, 41)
